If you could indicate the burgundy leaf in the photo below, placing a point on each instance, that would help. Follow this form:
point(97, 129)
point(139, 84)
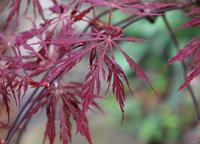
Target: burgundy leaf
point(50, 127)
point(135, 67)
point(192, 23)
point(65, 125)
point(15, 6)
point(190, 77)
point(186, 52)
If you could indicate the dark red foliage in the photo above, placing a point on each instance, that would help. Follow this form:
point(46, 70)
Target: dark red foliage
point(191, 50)
point(195, 21)
point(41, 56)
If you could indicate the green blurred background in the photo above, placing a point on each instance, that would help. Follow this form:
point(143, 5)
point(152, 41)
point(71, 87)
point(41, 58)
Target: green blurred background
point(149, 119)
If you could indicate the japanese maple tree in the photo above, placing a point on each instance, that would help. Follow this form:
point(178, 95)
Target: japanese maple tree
point(39, 58)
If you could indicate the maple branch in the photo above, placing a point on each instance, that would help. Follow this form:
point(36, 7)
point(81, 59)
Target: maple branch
point(21, 117)
point(21, 132)
point(184, 67)
point(17, 121)
point(131, 19)
point(23, 113)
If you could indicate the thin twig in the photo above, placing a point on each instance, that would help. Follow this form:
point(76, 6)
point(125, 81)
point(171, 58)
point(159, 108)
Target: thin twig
point(184, 67)
point(19, 121)
point(129, 20)
point(21, 112)
point(21, 116)
point(132, 21)
point(21, 132)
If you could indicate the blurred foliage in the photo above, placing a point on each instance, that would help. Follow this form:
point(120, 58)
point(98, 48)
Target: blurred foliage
point(155, 119)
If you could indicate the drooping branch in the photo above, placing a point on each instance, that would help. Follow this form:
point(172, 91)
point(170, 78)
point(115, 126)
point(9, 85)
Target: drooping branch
point(184, 67)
